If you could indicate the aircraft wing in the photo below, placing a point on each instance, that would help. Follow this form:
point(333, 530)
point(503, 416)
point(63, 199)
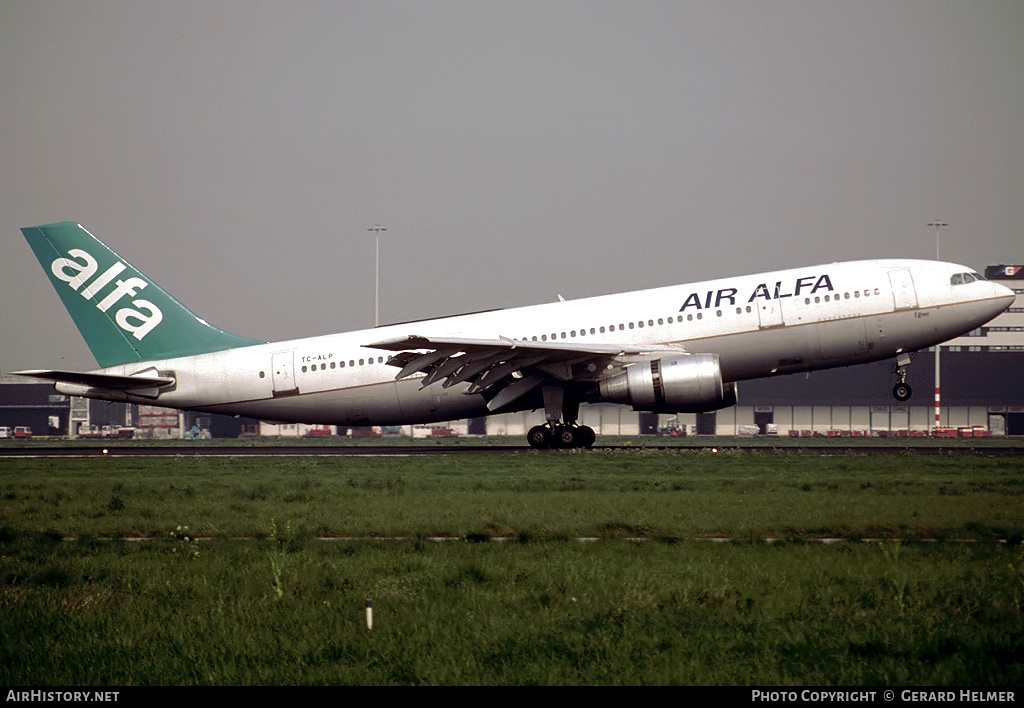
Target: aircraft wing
point(507, 368)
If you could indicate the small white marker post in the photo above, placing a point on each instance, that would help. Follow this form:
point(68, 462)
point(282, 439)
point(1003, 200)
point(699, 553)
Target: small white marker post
point(369, 613)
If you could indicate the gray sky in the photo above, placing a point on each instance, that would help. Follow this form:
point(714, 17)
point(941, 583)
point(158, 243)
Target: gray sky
point(237, 151)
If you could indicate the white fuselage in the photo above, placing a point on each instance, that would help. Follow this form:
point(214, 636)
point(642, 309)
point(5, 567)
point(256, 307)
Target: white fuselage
point(759, 325)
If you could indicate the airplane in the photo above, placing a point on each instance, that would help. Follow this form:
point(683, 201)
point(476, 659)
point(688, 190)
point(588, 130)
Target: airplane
point(681, 348)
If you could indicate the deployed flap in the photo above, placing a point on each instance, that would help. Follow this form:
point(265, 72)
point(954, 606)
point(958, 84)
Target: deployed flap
point(515, 390)
point(485, 363)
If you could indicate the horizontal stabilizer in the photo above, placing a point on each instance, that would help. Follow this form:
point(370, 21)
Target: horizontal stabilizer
point(107, 381)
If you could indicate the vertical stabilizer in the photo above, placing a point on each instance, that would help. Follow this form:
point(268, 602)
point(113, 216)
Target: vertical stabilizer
point(123, 315)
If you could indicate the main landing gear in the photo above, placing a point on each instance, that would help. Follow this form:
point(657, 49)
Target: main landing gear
point(561, 430)
point(542, 437)
point(901, 391)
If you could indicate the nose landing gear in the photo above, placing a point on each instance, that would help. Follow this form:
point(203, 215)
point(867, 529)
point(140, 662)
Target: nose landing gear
point(901, 391)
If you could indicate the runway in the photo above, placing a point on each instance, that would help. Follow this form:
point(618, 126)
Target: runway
point(185, 450)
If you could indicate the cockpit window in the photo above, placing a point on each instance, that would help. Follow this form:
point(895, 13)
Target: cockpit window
point(961, 278)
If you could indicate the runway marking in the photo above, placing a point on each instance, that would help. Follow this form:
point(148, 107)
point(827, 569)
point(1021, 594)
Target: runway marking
point(826, 540)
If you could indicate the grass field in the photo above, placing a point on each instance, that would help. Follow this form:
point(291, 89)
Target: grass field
point(267, 601)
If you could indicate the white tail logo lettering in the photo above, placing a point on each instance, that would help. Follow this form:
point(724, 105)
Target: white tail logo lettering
point(76, 272)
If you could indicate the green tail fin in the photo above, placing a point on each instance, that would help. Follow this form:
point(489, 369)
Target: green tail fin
point(123, 315)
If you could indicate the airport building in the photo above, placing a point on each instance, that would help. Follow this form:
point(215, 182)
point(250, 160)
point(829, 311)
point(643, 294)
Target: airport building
point(982, 391)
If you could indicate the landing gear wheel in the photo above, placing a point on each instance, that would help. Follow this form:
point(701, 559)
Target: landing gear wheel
point(539, 437)
point(901, 392)
point(586, 435)
point(567, 436)
point(572, 436)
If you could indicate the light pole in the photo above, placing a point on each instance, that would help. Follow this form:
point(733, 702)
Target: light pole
point(937, 224)
point(376, 229)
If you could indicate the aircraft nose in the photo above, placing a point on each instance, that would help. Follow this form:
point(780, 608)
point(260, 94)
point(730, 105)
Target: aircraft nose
point(1004, 296)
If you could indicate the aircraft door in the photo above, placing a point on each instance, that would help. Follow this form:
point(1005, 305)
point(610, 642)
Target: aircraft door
point(770, 313)
point(283, 368)
point(903, 294)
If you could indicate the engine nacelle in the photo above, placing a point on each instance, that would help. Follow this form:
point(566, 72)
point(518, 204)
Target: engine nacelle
point(681, 384)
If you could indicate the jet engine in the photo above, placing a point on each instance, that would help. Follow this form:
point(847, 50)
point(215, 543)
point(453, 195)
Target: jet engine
point(682, 384)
